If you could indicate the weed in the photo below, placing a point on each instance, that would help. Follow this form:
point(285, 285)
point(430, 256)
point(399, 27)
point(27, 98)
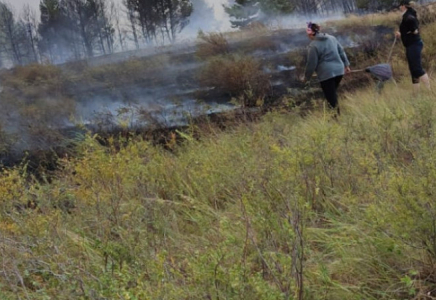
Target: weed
point(211, 44)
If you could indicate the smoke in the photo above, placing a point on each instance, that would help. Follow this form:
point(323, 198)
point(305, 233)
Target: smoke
point(299, 21)
point(208, 16)
point(104, 115)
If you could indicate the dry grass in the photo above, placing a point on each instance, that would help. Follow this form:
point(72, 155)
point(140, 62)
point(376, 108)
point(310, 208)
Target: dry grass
point(346, 205)
point(134, 70)
point(426, 15)
point(389, 19)
point(223, 217)
point(211, 44)
point(239, 76)
point(253, 31)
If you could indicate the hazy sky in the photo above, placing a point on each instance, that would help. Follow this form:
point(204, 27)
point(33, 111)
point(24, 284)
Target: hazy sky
point(198, 21)
point(18, 4)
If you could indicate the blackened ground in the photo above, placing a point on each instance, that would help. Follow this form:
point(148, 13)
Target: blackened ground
point(281, 53)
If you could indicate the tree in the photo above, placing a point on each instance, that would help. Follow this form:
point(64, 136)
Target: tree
point(373, 5)
point(83, 15)
point(30, 24)
point(105, 30)
point(131, 16)
point(145, 13)
point(348, 6)
point(76, 28)
point(244, 12)
point(116, 17)
point(174, 16)
point(164, 18)
point(307, 7)
point(53, 36)
point(11, 34)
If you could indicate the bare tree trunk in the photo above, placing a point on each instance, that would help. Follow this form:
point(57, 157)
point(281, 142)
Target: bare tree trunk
point(131, 16)
point(31, 24)
point(86, 41)
point(172, 21)
point(8, 22)
point(101, 41)
point(117, 25)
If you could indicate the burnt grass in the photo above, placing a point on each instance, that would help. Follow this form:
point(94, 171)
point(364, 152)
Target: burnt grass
point(177, 79)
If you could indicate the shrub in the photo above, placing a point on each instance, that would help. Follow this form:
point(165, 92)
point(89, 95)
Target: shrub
point(33, 80)
point(429, 51)
point(390, 19)
point(211, 44)
point(258, 43)
point(256, 27)
point(6, 141)
point(427, 13)
point(134, 70)
point(239, 76)
point(345, 206)
point(36, 74)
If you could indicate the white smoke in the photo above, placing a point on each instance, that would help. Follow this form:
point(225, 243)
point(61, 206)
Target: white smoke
point(295, 20)
point(208, 16)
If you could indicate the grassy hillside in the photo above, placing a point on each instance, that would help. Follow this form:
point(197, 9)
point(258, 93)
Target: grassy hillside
point(341, 209)
point(287, 207)
point(40, 105)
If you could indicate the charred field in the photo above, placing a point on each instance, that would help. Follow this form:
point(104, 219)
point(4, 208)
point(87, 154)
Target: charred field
point(45, 109)
point(206, 171)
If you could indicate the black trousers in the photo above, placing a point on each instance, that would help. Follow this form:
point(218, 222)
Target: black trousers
point(413, 54)
point(330, 87)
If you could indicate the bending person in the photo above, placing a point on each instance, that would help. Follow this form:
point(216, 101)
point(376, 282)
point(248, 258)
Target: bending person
point(409, 33)
point(327, 58)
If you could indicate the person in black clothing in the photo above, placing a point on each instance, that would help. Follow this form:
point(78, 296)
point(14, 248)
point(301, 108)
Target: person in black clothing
point(411, 38)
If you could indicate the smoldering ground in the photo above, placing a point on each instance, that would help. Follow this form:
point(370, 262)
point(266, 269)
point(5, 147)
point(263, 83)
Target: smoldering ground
point(42, 107)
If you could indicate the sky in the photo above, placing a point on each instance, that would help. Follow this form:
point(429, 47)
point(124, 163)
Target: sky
point(198, 21)
point(18, 4)
point(220, 22)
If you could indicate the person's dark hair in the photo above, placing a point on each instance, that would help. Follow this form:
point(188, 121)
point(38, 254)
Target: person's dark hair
point(406, 3)
point(315, 27)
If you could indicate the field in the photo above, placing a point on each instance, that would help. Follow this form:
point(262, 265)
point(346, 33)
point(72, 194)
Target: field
point(291, 204)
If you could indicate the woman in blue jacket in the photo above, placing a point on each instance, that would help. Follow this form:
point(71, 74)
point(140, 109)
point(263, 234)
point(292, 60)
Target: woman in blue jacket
point(327, 58)
point(411, 38)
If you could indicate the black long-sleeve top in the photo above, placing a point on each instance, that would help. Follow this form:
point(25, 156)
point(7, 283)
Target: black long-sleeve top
point(409, 28)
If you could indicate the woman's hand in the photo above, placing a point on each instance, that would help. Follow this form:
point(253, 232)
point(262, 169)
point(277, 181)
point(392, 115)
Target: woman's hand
point(397, 34)
point(347, 70)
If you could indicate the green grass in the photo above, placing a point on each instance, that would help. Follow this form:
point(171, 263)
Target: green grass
point(229, 216)
point(287, 207)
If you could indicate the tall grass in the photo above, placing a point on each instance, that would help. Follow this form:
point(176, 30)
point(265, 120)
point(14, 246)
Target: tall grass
point(287, 208)
point(240, 76)
point(374, 19)
point(211, 44)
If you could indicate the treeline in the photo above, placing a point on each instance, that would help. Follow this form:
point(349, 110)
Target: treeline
point(75, 29)
point(245, 12)
point(69, 30)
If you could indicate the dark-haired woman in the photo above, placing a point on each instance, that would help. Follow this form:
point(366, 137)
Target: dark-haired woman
point(327, 58)
point(411, 39)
